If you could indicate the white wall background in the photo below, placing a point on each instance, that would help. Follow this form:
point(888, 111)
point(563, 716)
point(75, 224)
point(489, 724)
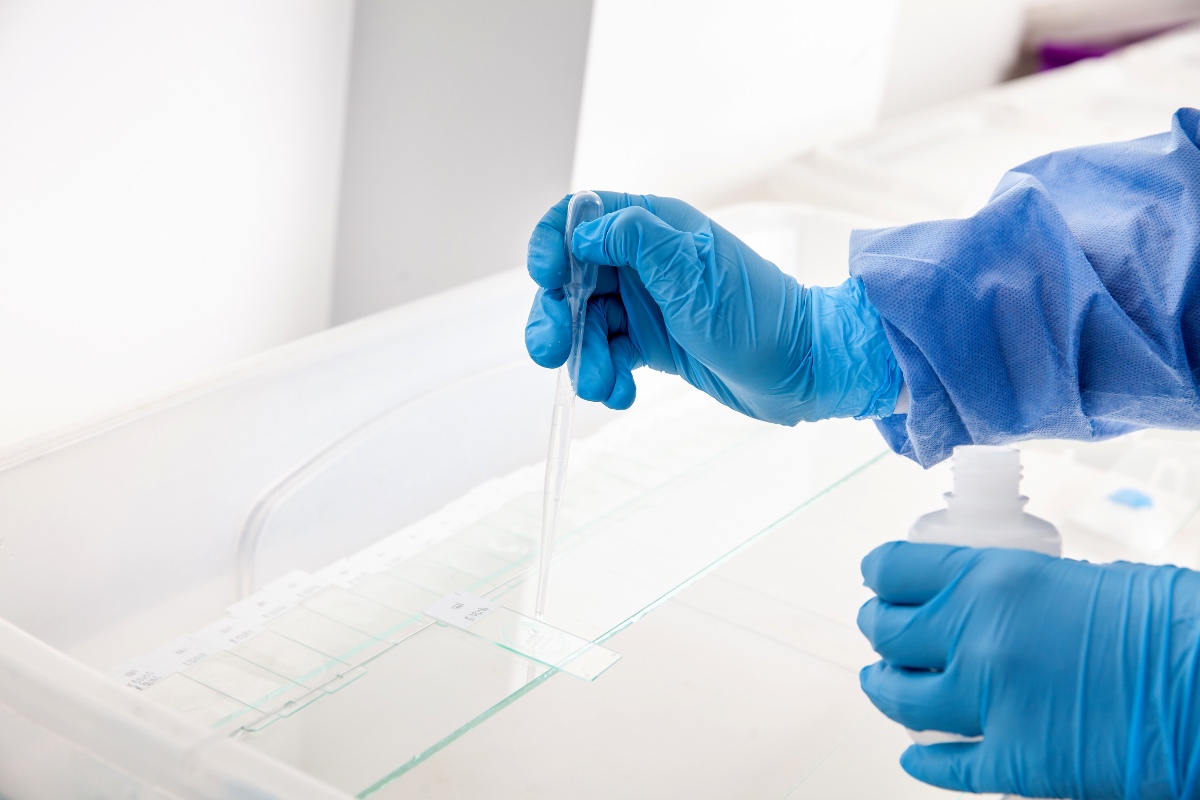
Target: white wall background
point(690, 97)
point(461, 125)
point(942, 49)
point(168, 177)
point(683, 96)
point(460, 133)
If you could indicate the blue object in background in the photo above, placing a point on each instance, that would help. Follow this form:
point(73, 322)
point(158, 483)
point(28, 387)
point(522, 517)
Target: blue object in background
point(1081, 678)
point(1068, 307)
point(680, 294)
point(1131, 498)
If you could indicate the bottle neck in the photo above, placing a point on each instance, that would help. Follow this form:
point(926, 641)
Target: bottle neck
point(986, 483)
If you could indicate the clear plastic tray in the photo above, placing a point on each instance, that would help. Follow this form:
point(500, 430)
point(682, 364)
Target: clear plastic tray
point(345, 674)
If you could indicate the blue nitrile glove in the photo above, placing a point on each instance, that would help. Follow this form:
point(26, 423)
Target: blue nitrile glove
point(1080, 677)
point(680, 294)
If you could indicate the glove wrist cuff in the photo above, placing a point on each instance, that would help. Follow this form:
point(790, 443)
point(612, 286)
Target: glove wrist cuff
point(853, 360)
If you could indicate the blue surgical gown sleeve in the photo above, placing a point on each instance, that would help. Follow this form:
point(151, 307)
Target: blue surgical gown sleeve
point(1068, 307)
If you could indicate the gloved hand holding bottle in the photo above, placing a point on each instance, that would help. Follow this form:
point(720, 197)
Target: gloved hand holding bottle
point(1081, 678)
point(678, 293)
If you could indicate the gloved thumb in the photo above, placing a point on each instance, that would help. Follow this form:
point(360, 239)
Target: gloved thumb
point(957, 766)
point(667, 260)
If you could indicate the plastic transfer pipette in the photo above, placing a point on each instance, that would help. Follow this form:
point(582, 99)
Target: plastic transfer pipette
point(584, 206)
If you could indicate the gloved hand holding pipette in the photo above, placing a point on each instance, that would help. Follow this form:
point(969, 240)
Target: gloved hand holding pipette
point(678, 293)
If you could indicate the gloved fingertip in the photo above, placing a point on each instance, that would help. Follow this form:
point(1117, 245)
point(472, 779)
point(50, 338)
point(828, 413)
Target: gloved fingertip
point(624, 392)
point(947, 766)
point(588, 242)
point(913, 761)
point(868, 675)
point(547, 332)
point(544, 348)
point(593, 384)
point(873, 563)
point(545, 259)
point(913, 573)
point(866, 618)
point(592, 229)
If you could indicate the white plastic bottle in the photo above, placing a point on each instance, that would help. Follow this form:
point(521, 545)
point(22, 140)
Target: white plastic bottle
point(985, 509)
